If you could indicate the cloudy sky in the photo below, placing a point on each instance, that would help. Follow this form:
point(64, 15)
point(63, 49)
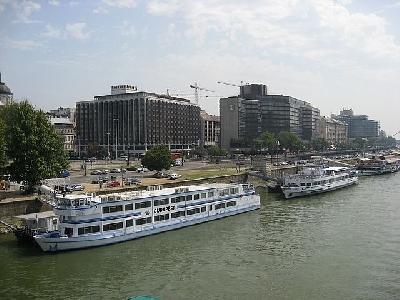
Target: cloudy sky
point(334, 54)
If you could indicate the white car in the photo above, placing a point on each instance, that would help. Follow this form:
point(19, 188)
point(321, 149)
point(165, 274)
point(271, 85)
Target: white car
point(174, 176)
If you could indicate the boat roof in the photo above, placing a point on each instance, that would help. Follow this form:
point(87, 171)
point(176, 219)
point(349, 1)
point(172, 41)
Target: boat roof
point(39, 215)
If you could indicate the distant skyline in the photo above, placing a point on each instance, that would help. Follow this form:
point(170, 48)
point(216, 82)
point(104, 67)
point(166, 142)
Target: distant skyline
point(334, 54)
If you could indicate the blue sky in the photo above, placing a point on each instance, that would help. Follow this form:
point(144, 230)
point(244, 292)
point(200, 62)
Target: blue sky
point(334, 54)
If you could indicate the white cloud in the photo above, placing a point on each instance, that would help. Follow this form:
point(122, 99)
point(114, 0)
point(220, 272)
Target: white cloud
point(127, 28)
point(171, 35)
point(52, 32)
point(24, 44)
point(73, 3)
point(394, 5)
point(165, 7)
point(76, 30)
point(54, 2)
point(122, 3)
point(24, 10)
point(100, 10)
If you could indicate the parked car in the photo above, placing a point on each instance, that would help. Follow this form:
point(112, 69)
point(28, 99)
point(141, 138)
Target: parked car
point(101, 179)
point(64, 173)
point(160, 175)
point(174, 176)
point(132, 181)
point(142, 169)
point(96, 172)
point(131, 168)
point(77, 187)
point(115, 170)
point(113, 183)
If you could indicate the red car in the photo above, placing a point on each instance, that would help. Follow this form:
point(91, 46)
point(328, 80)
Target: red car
point(113, 183)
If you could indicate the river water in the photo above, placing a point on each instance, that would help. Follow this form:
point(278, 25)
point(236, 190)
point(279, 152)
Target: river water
point(340, 245)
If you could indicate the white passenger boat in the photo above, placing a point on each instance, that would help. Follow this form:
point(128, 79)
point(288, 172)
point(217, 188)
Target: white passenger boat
point(382, 165)
point(89, 221)
point(315, 180)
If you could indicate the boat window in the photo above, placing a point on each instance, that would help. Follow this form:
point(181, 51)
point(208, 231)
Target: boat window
point(302, 184)
point(112, 226)
point(230, 203)
point(308, 183)
point(156, 202)
point(188, 197)
point(211, 194)
point(196, 196)
point(203, 209)
point(129, 206)
point(89, 229)
point(234, 190)
point(68, 231)
point(161, 217)
point(129, 223)
point(203, 195)
point(106, 210)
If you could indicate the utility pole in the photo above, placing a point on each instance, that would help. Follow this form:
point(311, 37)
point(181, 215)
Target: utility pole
point(116, 139)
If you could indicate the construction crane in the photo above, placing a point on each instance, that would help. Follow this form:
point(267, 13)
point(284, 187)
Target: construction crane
point(196, 91)
point(177, 94)
point(228, 83)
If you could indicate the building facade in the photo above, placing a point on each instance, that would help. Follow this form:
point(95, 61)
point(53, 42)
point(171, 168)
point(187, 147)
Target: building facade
point(6, 96)
point(66, 129)
point(210, 130)
point(359, 126)
point(129, 122)
point(246, 116)
point(333, 131)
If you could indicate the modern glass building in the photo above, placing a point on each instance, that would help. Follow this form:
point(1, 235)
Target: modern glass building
point(359, 126)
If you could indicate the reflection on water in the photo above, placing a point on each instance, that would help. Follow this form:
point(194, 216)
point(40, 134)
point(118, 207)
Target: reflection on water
point(340, 245)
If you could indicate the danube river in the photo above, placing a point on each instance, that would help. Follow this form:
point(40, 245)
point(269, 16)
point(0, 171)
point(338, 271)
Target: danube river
point(341, 245)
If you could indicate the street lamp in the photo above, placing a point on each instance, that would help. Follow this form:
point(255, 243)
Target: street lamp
point(108, 146)
point(116, 139)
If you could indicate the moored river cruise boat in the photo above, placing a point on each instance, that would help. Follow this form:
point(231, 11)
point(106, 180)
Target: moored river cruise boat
point(316, 180)
point(88, 221)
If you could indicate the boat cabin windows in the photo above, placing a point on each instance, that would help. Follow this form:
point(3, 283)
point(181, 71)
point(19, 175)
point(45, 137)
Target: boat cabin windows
point(189, 198)
point(89, 229)
point(224, 192)
point(178, 199)
point(203, 195)
point(129, 223)
point(161, 217)
point(142, 204)
point(234, 191)
point(143, 221)
point(230, 203)
point(112, 226)
point(129, 206)
point(161, 202)
point(219, 205)
point(211, 194)
point(178, 214)
point(68, 231)
point(196, 196)
point(112, 209)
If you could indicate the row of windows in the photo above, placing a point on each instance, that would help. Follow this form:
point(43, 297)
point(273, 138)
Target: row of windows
point(142, 221)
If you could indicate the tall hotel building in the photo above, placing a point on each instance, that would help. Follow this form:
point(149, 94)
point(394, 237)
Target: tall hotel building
point(130, 122)
point(246, 116)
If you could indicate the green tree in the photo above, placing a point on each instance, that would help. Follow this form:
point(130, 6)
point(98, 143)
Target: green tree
point(3, 146)
point(266, 140)
point(319, 144)
point(289, 141)
point(34, 148)
point(199, 151)
point(158, 158)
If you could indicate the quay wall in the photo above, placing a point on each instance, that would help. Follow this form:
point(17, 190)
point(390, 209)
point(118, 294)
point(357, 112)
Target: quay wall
point(22, 207)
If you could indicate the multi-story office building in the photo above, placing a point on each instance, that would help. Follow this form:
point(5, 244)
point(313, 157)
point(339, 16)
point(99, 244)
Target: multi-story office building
point(333, 131)
point(129, 121)
point(359, 126)
point(246, 116)
point(210, 129)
